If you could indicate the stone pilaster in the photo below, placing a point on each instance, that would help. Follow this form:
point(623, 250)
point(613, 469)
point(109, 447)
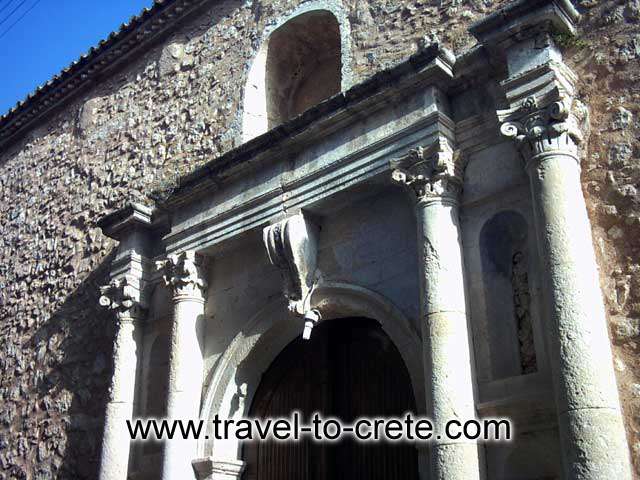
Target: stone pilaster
point(547, 123)
point(183, 275)
point(433, 175)
point(123, 296)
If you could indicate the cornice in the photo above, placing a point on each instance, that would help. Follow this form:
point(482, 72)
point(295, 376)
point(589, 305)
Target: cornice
point(518, 16)
point(132, 36)
point(432, 66)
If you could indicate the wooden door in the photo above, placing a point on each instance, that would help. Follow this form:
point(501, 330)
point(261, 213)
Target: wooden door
point(348, 369)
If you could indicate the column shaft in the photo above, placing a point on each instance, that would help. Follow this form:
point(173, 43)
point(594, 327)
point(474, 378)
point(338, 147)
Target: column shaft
point(591, 427)
point(446, 346)
point(114, 460)
point(183, 275)
point(123, 296)
point(434, 177)
point(185, 384)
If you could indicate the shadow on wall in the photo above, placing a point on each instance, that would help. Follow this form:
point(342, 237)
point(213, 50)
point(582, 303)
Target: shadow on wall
point(74, 354)
point(505, 269)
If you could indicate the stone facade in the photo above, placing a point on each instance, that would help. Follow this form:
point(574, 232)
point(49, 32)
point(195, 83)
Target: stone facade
point(177, 104)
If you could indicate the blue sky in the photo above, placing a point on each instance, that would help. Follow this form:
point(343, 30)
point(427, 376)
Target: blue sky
point(50, 36)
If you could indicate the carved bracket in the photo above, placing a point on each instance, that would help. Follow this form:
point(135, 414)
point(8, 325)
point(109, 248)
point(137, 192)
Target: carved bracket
point(435, 171)
point(183, 274)
point(124, 296)
point(292, 246)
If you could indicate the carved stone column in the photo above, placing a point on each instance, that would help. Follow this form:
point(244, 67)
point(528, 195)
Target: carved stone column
point(133, 227)
point(122, 296)
point(546, 121)
point(434, 177)
point(591, 427)
point(183, 275)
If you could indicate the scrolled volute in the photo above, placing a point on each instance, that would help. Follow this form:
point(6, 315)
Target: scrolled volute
point(124, 296)
point(555, 127)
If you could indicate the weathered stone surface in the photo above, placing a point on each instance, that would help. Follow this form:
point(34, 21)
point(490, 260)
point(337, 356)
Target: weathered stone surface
point(179, 106)
point(621, 118)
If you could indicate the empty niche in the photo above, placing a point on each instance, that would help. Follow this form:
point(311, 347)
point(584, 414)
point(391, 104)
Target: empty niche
point(298, 67)
point(505, 271)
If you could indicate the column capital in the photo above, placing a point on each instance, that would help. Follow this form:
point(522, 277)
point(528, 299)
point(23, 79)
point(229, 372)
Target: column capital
point(183, 273)
point(433, 173)
point(551, 127)
point(124, 296)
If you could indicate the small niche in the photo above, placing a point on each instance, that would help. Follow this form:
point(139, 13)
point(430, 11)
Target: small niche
point(505, 270)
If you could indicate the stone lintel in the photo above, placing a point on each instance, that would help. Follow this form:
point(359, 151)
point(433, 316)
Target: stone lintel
point(519, 17)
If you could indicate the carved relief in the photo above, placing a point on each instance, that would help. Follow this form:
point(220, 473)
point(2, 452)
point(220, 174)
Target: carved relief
point(432, 172)
point(521, 304)
point(183, 274)
point(123, 295)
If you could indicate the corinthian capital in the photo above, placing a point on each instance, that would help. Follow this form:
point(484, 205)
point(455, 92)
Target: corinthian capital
point(123, 295)
point(552, 127)
point(183, 274)
point(433, 172)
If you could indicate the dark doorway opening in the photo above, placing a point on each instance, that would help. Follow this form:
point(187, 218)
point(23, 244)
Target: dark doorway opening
point(349, 369)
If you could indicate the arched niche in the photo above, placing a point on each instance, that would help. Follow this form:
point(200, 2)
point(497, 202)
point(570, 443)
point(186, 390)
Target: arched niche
point(236, 376)
point(303, 60)
point(505, 255)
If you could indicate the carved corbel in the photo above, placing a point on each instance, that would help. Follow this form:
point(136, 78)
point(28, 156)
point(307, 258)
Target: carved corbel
point(183, 274)
point(435, 171)
point(292, 246)
point(124, 295)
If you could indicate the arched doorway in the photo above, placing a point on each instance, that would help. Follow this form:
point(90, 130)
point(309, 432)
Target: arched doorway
point(349, 369)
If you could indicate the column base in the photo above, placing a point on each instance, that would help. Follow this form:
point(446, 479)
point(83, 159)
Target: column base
point(209, 469)
point(595, 444)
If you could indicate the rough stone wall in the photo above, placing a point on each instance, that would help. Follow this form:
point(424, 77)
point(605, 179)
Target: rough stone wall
point(176, 107)
point(607, 58)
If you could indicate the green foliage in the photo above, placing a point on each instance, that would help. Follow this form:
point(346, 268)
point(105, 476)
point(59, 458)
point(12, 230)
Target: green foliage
point(568, 41)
